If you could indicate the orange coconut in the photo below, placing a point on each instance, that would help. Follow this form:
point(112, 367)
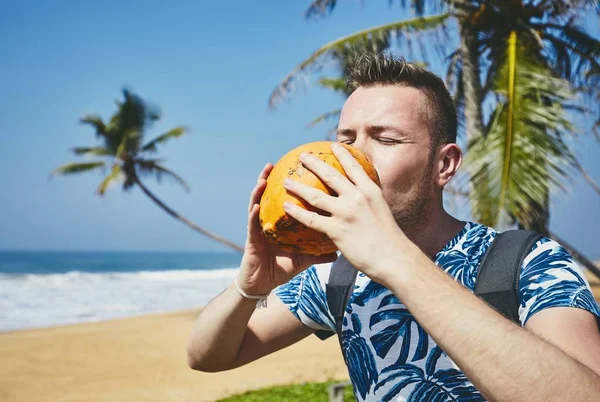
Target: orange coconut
point(280, 228)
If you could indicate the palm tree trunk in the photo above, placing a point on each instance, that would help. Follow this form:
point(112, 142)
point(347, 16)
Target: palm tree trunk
point(186, 221)
point(471, 84)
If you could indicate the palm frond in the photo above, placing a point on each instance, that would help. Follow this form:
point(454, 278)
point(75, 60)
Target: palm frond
point(96, 122)
point(73, 168)
point(575, 51)
point(131, 121)
point(127, 145)
point(152, 166)
point(454, 69)
point(108, 180)
point(398, 30)
point(319, 8)
point(98, 151)
point(510, 101)
point(333, 114)
point(512, 172)
point(335, 84)
point(174, 133)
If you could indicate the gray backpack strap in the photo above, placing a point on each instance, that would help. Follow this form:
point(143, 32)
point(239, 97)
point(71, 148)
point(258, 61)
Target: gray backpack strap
point(498, 278)
point(339, 289)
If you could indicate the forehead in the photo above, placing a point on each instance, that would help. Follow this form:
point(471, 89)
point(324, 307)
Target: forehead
point(390, 105)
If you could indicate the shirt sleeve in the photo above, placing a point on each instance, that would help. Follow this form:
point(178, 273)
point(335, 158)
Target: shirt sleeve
point(551, 278)
point(305, 297)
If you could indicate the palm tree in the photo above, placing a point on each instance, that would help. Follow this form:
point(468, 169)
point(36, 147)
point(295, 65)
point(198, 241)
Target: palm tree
point(521, 64)
point(343, 58)
point(128, 157)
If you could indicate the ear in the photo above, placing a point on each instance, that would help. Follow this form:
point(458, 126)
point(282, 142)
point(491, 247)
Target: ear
point(448, 160)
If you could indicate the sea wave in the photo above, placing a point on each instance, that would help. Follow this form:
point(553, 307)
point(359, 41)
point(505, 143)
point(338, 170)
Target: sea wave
point(41, 300)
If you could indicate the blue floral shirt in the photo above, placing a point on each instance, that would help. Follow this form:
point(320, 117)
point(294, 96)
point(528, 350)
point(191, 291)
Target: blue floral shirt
point(390, 357)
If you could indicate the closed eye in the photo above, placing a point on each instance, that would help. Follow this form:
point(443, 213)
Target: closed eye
point(389, 141)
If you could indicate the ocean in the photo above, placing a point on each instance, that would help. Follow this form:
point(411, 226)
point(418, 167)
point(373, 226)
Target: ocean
point(44, 289)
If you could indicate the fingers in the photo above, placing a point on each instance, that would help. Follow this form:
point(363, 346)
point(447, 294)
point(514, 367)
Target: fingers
point(261, 183)
point(257, 193)
point(355, 172)
point(313, 196)
point(254, 229)
point(311, 219)
point(327, 173)
point(265, 172)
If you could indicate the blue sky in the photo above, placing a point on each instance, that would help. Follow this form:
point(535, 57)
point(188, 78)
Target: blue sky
point(208, 65)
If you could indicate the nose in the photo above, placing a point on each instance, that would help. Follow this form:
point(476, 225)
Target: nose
point(362, 143)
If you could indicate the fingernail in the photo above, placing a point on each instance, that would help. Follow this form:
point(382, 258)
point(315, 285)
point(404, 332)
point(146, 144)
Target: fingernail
point(303, 157)
point(287, 183)
point(287, 206)
point(336, 146)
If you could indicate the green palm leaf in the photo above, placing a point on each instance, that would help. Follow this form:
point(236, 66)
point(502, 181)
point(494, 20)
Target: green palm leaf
point(335, 84)
point(174, 133)
point(112, 177)
point(334, 114)
point(72, 168)
point(98, 151)
point(584, 50)
point(523, 154)
point(152, 166)
point(406, 28)
point(320, 8)
point(96, 122)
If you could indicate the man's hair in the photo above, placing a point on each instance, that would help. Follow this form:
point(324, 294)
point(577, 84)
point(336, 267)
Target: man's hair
point(378, 69)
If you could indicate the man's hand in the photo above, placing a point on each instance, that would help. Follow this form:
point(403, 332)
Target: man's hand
point(361, 224)
point(264, 266)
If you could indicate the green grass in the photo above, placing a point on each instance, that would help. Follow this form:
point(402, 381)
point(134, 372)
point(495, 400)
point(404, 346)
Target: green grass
point(307, 392)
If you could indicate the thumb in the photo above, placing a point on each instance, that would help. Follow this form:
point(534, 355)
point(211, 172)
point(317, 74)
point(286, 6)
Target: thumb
point(254, 230)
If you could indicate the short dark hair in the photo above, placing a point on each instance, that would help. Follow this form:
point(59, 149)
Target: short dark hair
point(376, 69)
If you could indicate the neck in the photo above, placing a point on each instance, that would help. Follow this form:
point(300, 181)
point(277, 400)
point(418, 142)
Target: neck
point(434, 230)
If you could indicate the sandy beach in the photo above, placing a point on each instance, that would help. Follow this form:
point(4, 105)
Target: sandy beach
point(142, 359)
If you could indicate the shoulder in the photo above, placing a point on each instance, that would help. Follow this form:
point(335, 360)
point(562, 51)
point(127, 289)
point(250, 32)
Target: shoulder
point(472, 240)
point(462, 255)
point(548, 262)
point(550, 277)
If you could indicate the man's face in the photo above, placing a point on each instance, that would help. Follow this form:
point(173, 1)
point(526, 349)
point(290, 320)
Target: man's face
point(388, 124)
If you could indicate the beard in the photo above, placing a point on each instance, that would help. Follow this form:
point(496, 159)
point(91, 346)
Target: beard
point(410, 207)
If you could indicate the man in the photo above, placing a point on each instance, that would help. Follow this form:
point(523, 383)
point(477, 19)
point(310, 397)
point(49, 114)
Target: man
point(413, 330)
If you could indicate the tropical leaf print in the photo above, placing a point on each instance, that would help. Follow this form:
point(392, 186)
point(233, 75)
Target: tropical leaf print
point(477, 236)
point(370, 292)
point(408, 372)
point(401, 320)
point(431, 385)
point(550, 278)
point(390, 357)
point(457, 265)
point(306, 299)
point(289, 293)
point(361, 362)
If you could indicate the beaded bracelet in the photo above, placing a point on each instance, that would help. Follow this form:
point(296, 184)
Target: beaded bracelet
point(262, 299)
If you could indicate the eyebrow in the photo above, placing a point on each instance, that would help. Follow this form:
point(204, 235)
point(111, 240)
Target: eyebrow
point(374, 129)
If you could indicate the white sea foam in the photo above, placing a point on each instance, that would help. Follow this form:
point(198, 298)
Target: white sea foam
point(32, 301)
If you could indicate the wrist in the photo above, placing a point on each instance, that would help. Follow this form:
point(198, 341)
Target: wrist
point(396, 269)
point(259, 299)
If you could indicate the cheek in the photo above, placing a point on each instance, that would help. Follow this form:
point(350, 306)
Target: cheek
point(397, 175)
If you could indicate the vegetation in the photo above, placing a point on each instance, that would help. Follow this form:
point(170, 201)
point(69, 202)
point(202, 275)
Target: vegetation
point(129, 158)
point(307, 392)
point(519, 72)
